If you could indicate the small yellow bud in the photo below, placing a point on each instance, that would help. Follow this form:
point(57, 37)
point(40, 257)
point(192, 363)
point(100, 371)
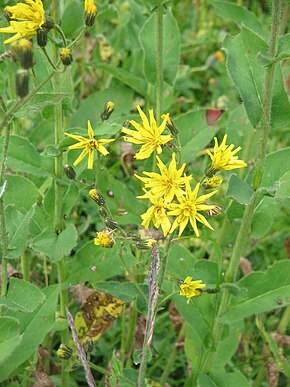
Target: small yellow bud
point(22, 51)
point(104, 238)
point(212, 182)
point(64, 352)
point(170, 125)
point(90, 12)
point(66, 56)
point(219, 56)
point(97, 197)
point(108, 110)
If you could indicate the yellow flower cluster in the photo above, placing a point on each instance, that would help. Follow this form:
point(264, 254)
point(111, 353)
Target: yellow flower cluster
point(170, 194)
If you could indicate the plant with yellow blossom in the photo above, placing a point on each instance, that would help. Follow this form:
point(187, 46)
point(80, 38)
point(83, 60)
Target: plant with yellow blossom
point(168, 183)
point(190, 288)
point(90, 145)
point(104, 238)
point(224, 157)
point(188, 208)
point(148, 134)
point(157, 213)
point(25, 19)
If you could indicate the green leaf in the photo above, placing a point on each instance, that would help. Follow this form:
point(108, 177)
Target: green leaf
point(264, 216)
point(32, 334)
point(38, 103)
point(195, 133)
point(21, 192)
point(22, 296)
point(18, 234)
point(283, 190)
point(71, 20)
point(23, 157)
point(223, 378)
point(239, 190)
point(94, 263)
point(237, 14)
point(235, 211)
point(276, 165)
point(125, 291)
point(283, 47)
point(9, 327)
point(122, 97)
point(171, 47)
point(248, 76)
point(136, 83)
point(266, 291)
point(56, 246)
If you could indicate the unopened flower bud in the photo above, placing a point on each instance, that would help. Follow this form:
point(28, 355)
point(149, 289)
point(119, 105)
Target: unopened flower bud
point(64, 352)
point(111, 223)
point(48, 24)
point(170, 125)
point(97, 197)
point(66, 56)
point(104, 238)
point(215, 211)
point(22, 51)
point(213, 182)
point(108, 110)
point(22, 82)
point(69, 171)
point(89, 345)
point(145, 244)
point(103, 212)
point(90, 12)
point(42, 37)
point(133, 236)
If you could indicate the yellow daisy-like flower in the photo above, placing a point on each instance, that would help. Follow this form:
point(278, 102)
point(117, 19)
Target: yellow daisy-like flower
point(187, 210)
point(89, 144)
point(168, 183)
point(157, 214)
point(148, 134)
point(104, 238)
point(25, 19)
point(90, 12)
point(223, 157)
point(189, 288)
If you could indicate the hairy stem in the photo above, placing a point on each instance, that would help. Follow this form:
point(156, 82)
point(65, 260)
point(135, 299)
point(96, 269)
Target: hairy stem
point(58, 201)
point(159, 61)
point(244, 231)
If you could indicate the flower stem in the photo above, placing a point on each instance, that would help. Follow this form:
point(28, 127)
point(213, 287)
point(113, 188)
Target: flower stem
point(60, 31)
point(244, 231)
point(159, 61)
point(58, 202)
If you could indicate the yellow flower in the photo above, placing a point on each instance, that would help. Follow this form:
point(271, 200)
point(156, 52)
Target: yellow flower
point(157, 214)
point(25, 19)
point(189, 288)
point(187, 210)
point(168, 183)
point(223, 157)
point(148, 134)
point(89, 144)
point(90, 12)
point(104, 238)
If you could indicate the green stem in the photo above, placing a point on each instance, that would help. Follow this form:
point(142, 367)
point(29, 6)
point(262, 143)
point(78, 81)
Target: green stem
point(73, 43)
point(48, 58)
point(244, 231)
point(172, 356)
point(58, 203)
point(129, 344)
point(284, 322)
point(60, 31)
point(159, 61)
point(12, 92)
